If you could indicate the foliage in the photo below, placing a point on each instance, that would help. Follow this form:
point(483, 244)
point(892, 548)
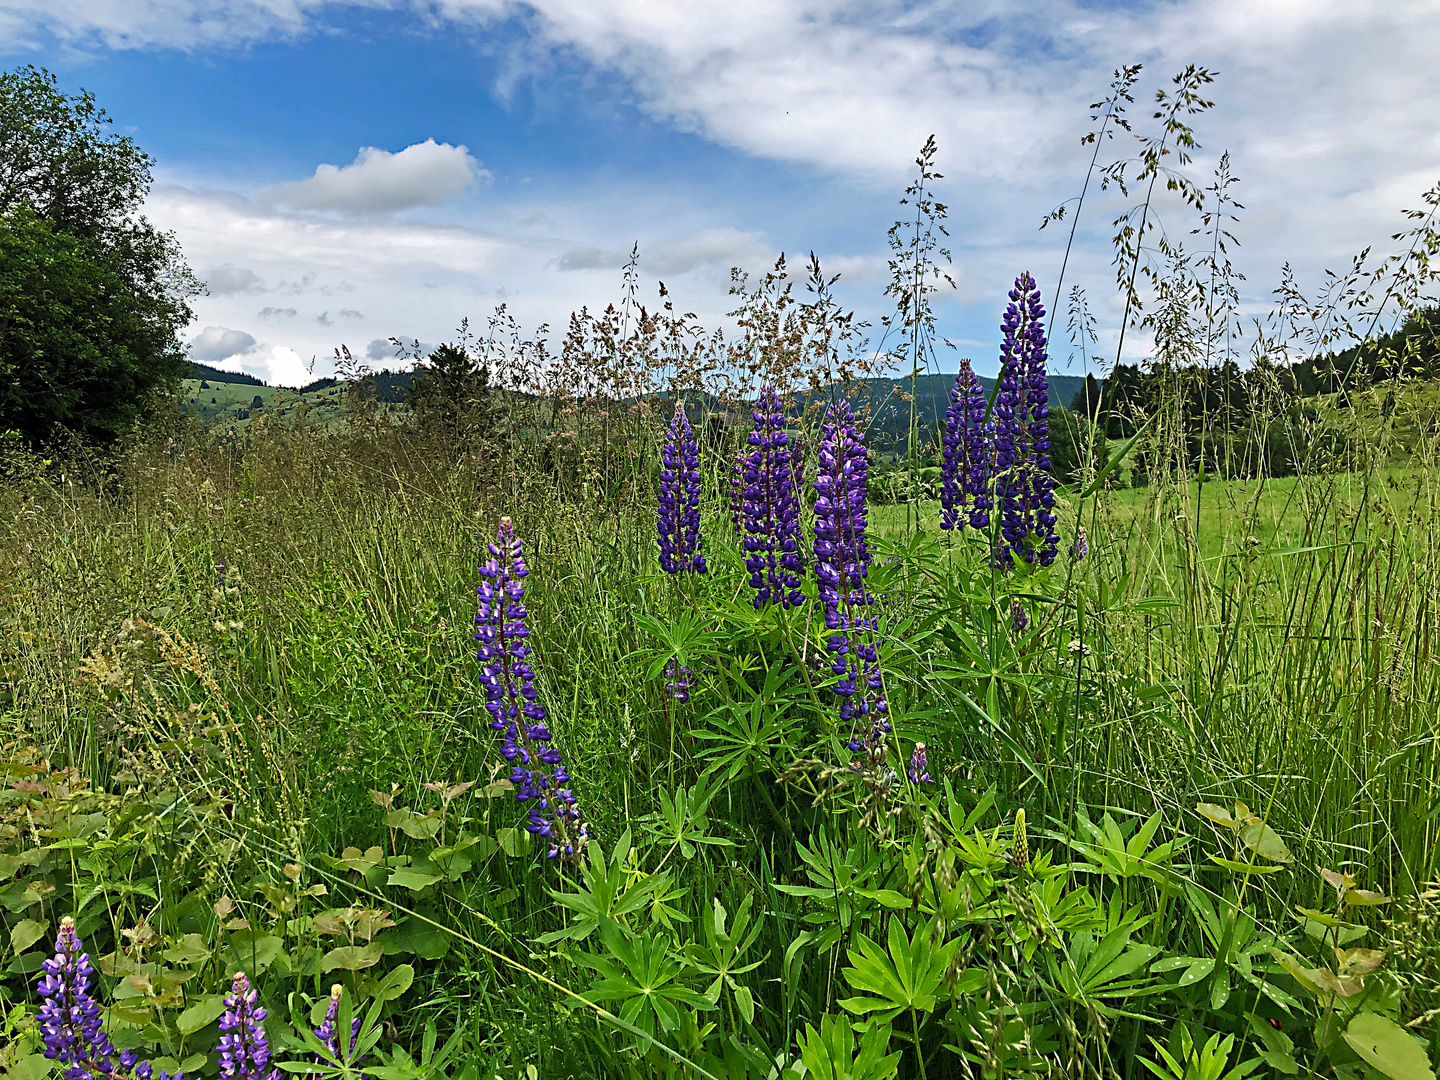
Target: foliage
point(92, 297)
point(1175, 814)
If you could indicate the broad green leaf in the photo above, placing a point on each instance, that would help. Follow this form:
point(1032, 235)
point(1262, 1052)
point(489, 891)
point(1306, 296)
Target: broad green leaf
point(201, 1014)
point(411, 879)
point(1266, 842)
point(353, 957)
point(253, 951)
point(1387, 1047)
point(395, 983)
point(189, 949)
point(1218, 814)
point(1365, 898)
point(26, 933)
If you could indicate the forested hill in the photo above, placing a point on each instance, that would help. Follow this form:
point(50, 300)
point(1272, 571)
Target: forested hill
point(890, 411)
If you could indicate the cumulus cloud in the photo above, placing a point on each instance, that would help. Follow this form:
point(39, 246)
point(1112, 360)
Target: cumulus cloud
point(1327, 107)
point(216, 343)
point(230, 280)
point(379, 182)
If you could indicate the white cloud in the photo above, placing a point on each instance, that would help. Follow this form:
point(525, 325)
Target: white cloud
point(227, 280)
point(216, 343)
point(1327, 107)
point(379, 182)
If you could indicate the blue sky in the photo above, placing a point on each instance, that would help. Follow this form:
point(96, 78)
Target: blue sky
point(345, 172)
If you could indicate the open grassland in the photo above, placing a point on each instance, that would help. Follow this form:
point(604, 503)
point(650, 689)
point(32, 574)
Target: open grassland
point(265, 651)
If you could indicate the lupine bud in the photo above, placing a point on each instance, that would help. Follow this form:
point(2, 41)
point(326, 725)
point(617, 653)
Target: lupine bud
point(679, 517)
point(537, 770)
point(244, 1048)
point(967, 457)
point(842, 560)
point(1019, 620)
point(771, 510)
point(326, 1032)
point(1080, 546)
point(1025, 490)
point(1020, 849)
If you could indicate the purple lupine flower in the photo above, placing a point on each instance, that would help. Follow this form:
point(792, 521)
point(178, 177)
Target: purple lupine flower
point(919, 770)
point(244, 1048)
point(679, 517)
point(1080, 546)
point(1019, 620)
point(326, 1031)
point(966, 461)
point(69, 1017)
point(1025, 490)
point(771, 510)
point(842, 559)
point(679, 680)
point(537, 770)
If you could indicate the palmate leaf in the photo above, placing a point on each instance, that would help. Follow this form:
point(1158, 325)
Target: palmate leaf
point(641, 976)
point(607, 892)
point(829, 1054)
point(905, 976)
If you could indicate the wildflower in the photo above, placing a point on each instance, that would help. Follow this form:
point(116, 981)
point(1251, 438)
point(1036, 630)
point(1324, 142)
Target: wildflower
point(842, 560)
point(69, 1016)
point(326, 1031)
point(1025, 490)
point(771, 511)
point(537, 770)
point(919, 770)
point(965, 464)
point(679, 680)
point(1019, 620)
point(1078, 647)
point(1080, 546)
point(244, 1049)
point(679, 517)
point(1020, 847)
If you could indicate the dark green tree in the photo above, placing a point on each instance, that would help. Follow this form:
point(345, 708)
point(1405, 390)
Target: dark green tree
point(92, 296)
point(451, 394)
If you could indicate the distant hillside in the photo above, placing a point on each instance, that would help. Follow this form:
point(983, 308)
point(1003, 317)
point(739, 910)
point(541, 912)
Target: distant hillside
point(215, 375)
point(890, 413)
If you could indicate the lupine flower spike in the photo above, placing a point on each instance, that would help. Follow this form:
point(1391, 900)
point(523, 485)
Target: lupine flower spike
point(1080, 546)
point(244, 1049)
point(326, 1032)
point(771, 510)
point(919, 770)
point(679, 680)
point(1025, 490)
point(965, 464)
point(842, 559)
point(537, 770)
point(679, 517)
point(69, 1018)
point(1019, 620)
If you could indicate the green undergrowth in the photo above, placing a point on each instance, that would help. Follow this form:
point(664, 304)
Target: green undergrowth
point(1182, 824)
